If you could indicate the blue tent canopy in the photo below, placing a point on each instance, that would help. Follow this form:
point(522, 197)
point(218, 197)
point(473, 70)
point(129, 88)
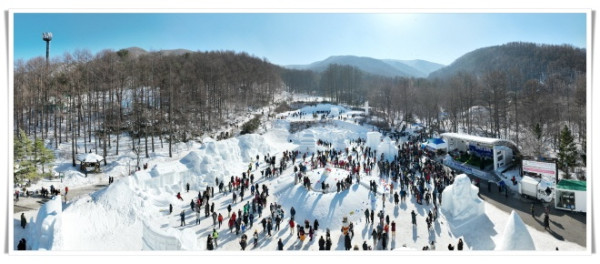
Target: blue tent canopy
point(436, 141)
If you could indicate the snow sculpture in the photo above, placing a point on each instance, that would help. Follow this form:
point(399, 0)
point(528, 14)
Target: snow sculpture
point(308, 144)
point(335, 112)
point(460, 200)
point(516, 236)
point(44, 223)
point(373, 139)
point(339, 143)
point(388, 148)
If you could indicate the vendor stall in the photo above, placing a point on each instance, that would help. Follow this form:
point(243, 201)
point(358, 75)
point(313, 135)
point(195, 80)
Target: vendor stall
point(571, 195)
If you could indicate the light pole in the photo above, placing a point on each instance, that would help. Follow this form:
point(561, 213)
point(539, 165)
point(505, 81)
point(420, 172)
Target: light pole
point(47, 37)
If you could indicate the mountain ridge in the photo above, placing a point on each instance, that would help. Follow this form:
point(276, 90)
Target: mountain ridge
point(384, 67)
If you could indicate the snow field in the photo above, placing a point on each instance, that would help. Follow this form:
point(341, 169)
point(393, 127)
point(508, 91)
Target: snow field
point(134, 210)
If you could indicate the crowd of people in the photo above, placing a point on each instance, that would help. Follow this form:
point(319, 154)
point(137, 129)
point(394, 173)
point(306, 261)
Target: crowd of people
point(412, 171)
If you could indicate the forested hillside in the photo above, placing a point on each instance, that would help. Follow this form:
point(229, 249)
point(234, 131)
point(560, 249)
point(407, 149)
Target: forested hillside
point(534, 61)
point(174, 96)
point(520, 91)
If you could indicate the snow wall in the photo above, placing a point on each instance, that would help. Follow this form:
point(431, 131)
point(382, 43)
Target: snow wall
point(460, 200)
point(215, 159)
point(516, 236)
point(168, 239)
point(127, 210)
point(388, 148)
point(45, 222)
point(308, 143)
point(373, 139)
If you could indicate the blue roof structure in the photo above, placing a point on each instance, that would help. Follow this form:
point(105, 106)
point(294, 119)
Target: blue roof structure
point(436, 141)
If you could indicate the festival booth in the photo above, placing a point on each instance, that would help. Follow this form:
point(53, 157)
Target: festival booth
point(478, 155)
point(481, 151)
point(435, 144)
point(571, 195)
point(90, 162)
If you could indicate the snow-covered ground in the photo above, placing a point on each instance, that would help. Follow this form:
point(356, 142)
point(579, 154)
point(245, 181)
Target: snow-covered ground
point(133, 211)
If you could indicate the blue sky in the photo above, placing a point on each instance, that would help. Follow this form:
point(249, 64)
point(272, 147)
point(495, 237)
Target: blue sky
point(296, 38)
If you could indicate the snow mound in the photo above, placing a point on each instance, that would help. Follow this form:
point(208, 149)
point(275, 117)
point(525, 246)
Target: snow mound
point(373, 139)
point(213, 160)
point(516, 236)
point(460, 200)
point(45, 222)
point(329, 208)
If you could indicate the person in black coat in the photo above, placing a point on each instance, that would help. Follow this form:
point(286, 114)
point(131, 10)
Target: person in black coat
point(546, 221)
point(243, 242)
point(365, 246)
point(321, 243)
point(347, 242)
point(316, 225)
point(170, 208)
point(209, 244)
point(459, 246)
point(279, 245)
point(23, 220)
point(328, 243)
point(384, 239)
point(22, 244)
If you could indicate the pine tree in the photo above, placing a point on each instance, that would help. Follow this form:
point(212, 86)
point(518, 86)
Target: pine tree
point(24, 167)
point(567, 151)
point(44, 156)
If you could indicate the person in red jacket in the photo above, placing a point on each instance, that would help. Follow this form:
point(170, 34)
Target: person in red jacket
point(292, 224)
point(393, 229)
point(220, 218)
point(66, 190)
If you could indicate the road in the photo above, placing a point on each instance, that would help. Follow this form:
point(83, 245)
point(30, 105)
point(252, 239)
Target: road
point(35, 202)
point(564, 225)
